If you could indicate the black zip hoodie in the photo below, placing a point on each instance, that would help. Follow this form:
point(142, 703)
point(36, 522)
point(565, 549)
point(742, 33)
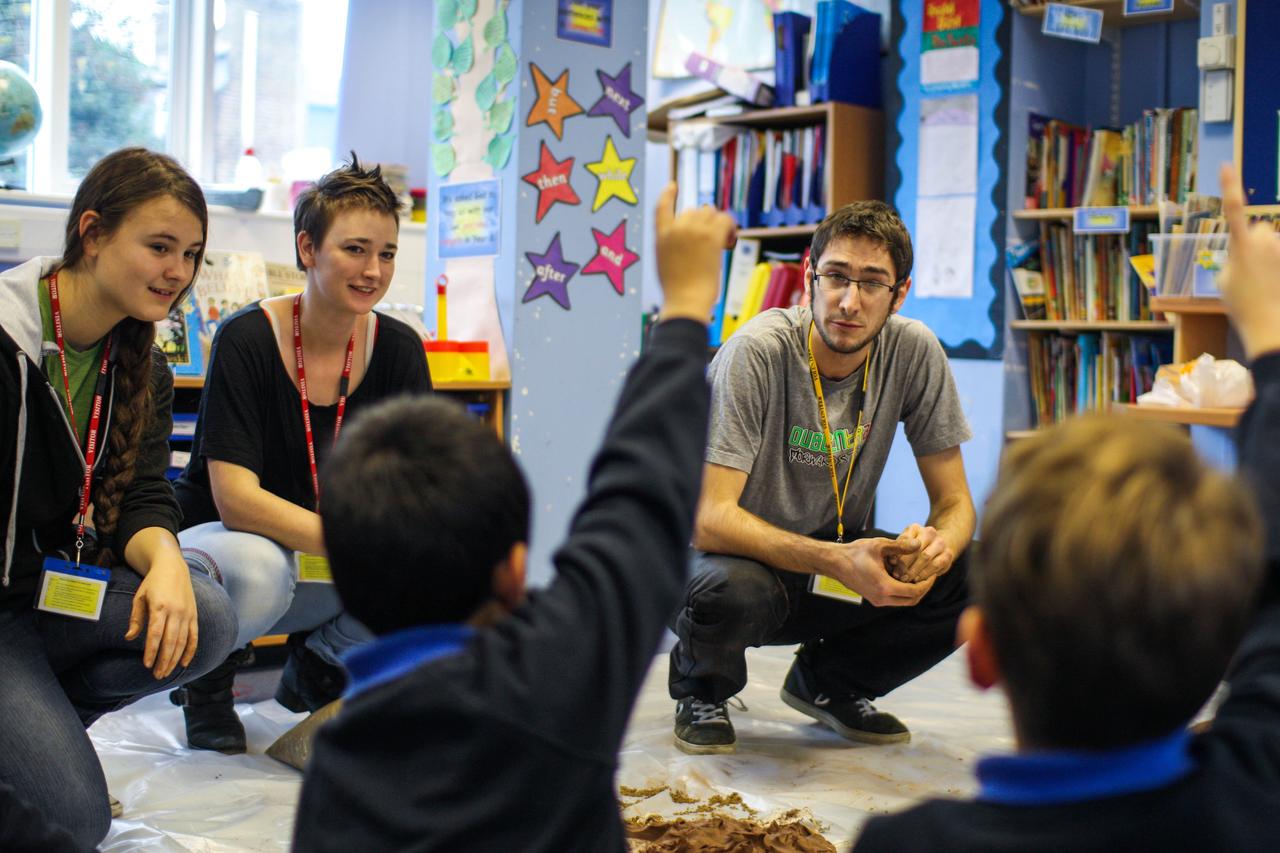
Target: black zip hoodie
point(41, 463)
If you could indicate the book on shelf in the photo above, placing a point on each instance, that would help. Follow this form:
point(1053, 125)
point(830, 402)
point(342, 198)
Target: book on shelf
point(1088, 371)
point(1088, 277)
point(1152, 158)
point(762, 177)
point(753, 286)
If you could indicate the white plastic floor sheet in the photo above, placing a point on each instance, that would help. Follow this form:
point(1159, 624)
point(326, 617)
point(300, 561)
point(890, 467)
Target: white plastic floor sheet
point(178, 799)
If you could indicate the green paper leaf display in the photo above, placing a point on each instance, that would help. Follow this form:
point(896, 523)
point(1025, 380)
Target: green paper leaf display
point(486, 93)
point(466, 9)
point(501, 114)
point(495, 31)
point(463, 57)
point(442, 91)
point(441, 51)
point(443, 125)
point(446, 14)
point(505, 66)
point(499, 151)
point(443, 158)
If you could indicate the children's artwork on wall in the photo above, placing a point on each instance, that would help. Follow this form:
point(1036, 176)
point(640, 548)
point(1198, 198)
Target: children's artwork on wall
point(949, 51)
point(551, 274)
point(612, 256)
point(551, 179)
point(614, 176)
point(459, 132)
point(470, 223)
point(587, 21)
point(553, 105)
point(618, 100)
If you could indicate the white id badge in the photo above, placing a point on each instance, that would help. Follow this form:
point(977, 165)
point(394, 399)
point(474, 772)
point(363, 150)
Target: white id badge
point(72, 590)
point(312, 568)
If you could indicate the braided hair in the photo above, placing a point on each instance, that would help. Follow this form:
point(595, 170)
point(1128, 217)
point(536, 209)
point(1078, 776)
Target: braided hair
point(113, 188)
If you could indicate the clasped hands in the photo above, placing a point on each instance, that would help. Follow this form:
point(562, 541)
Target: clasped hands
point(893, 572)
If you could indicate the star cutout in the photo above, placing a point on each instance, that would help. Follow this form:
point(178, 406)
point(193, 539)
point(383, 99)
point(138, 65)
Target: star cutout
point(551, 274)
point(552, 180)
point(614, 175)
point(612, 255)
point(618, 100)
point(553, 105)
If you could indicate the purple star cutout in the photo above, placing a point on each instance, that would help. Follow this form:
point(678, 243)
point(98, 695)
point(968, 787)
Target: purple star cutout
point(617, 101)
point(551, 274)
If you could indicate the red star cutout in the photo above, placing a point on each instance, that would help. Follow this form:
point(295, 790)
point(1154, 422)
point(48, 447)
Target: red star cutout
point(554, 104)
point(552, 180)
point(612, 255)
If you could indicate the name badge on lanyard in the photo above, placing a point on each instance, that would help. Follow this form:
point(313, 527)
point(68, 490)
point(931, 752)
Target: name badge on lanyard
point(72, 590)
point(313, 568)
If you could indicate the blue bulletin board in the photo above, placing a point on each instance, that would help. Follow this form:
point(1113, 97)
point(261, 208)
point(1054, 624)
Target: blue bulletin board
point(966, 312)
point(1260, 114)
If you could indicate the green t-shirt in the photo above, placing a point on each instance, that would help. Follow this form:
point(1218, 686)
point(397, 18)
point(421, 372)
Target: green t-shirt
point(82, 367)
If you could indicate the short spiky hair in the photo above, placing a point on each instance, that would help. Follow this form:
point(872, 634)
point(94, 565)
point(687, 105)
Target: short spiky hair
point(872, 219)
point(349, 186)
point(421, 503)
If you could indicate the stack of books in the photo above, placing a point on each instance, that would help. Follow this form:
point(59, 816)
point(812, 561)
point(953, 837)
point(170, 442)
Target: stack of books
point(1072, 373)
point(1088, 277)
point(1148, 160)
point(755, 282)
point(763, 178)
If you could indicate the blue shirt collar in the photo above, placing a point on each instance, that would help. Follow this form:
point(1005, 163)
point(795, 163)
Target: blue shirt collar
point(1047, 778)
point(394, 655)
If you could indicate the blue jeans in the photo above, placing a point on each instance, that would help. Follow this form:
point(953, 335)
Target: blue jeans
point(260, 577)
point(58, 674)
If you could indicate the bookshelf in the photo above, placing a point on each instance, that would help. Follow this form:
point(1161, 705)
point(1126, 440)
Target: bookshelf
point(853, 154)
point(1101, 347)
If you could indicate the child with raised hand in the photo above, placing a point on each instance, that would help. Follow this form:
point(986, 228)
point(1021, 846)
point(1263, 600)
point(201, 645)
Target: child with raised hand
point(97, 606)
point(1115, 577)
point(509, 709)
point(285, 376)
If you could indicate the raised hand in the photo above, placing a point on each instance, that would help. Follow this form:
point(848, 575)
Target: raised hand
point(1251, 280)
point(690, 253)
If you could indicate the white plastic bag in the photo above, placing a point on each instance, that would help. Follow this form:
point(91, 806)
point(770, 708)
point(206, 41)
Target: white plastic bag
point(1204, 383)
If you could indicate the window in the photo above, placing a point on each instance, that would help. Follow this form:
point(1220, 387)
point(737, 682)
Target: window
point(200, 79)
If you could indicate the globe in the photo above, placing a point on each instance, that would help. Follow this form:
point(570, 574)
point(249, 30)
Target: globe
point(20, 112)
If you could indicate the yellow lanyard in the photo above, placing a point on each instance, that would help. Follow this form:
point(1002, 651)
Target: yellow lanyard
point(826, 432)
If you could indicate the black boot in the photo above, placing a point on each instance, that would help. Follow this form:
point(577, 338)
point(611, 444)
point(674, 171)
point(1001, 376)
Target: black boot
point(209, 707)
point(308, 681)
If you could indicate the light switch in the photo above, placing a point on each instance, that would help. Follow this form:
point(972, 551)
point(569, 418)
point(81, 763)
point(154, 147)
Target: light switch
point(1215, 96)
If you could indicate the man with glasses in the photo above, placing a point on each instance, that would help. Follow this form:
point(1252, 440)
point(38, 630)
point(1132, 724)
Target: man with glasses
point(805, 405)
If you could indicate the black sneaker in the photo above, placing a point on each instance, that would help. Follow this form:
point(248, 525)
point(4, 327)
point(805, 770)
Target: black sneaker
point(852, 716)
point(703, 728)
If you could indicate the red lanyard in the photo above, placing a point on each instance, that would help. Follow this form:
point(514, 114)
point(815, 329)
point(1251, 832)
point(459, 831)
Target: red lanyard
point(343, 384)
point(95, 416)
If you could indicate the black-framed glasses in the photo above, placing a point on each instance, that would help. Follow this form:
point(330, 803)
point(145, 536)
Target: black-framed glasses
point(834, 282)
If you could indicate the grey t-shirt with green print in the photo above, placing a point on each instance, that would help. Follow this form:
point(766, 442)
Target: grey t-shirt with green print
point(764, 416)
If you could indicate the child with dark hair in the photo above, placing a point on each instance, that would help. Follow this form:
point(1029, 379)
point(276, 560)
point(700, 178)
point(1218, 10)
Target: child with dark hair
point(284, 376)
point(1115, 577)
point(96, 608)
point(509, 708)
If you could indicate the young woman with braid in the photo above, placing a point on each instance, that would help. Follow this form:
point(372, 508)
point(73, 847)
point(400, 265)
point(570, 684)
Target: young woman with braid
point(97, 605)
point(285, 374)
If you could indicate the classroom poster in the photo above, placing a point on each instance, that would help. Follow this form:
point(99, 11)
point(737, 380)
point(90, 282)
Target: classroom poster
point(949, 49)
point(587, 21)
point(469, 219)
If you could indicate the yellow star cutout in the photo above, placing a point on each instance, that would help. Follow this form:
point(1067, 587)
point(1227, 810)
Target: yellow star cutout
point(614, 175)
point(553, 105)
